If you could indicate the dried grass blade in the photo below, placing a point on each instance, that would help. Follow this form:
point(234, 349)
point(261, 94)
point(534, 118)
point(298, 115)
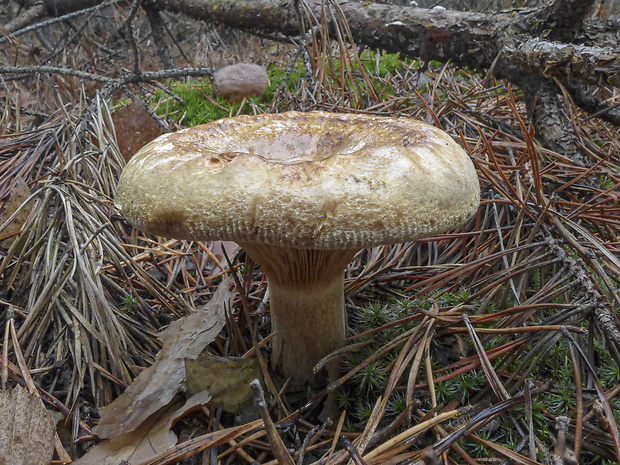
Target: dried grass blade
point(515, 198)
point(337, 433)
point(5, 349)
point(370, 87)
point(578, 403)
point(278, 447)
point(420, 350)
point(531, 150)
point(527, 401)
point(403, 359)
point(429, 376)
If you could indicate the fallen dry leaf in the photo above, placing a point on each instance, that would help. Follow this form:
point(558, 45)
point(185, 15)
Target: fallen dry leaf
point(227, 379)
point(18, 195)
point(26, 429)
point(145, 442)
point(134, 128)
point(217, 250)
point(157, 385)
point(197, 444)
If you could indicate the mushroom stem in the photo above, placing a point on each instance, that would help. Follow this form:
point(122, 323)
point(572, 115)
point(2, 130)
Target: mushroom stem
point(309, 324)
point(306, 294)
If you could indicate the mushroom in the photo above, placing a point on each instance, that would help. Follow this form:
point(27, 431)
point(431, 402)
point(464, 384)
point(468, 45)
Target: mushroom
point(243, 80)
point(302, 194)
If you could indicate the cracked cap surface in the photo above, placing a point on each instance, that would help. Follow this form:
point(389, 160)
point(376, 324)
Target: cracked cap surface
point(304, 180)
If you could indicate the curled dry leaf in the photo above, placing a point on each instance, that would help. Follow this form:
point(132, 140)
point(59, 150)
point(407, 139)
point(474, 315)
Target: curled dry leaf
point(156, 386)
point(148, 440)
point(27, 429)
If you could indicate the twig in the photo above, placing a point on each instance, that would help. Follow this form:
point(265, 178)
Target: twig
point(352, 450)
point(127, 78)
point(135, 7)
point(59, 19)
point(279, 449)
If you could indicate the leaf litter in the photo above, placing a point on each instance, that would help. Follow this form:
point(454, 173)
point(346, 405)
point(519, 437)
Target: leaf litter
point(27, 432)
point(147, 439)
point(16, 212)
point(156, 387)
point(534, 271)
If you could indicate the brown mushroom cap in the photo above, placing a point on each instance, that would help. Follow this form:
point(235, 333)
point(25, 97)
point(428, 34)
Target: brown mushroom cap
point(243, 80)
point(302, 180)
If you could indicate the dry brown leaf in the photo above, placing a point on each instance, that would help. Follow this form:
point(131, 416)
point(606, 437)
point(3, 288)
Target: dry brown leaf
point(196, 444)
point(156, 386)
point(18, 195)
point(27, 100)
point(148, 440)
point(26, 429)
point(134, 128)
point(217, 250)
point(227, 379)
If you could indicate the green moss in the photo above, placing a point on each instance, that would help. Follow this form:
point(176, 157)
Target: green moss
point(277, 77)
point(445, 391)
point(371, 378)
point(380, 64)
point(130, 304)
point(606, 182)
point(364, 411)
point(396, 405)
point(196, 102)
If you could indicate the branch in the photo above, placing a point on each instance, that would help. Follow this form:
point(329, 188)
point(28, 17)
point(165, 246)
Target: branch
point(158, 31)
point(471, 40)
point(131, 33)
point(562, 18)
point(18, 26)
point(53, 70)
point(566, 62)
point(33, 14)
point(466, 38)
point(129, 78)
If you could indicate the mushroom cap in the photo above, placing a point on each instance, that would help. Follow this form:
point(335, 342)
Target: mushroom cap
point(312, 180)
point(236, 82)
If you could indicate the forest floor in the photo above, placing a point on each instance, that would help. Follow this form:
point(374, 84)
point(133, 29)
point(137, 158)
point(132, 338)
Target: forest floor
point(498, 342)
